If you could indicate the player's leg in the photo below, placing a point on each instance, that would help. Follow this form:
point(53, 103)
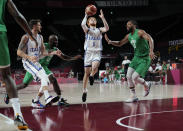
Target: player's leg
point(38, 72)
point(96, 57)
point(53, 80)
point(62, 101)
point(9, 82)
point(94, 70)
point(28, 78)
point(131, 85)
point(85, 82)
point(136, 77)
point(141, 70)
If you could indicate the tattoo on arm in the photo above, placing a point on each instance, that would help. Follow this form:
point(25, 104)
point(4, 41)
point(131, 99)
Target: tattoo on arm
point(23, 44)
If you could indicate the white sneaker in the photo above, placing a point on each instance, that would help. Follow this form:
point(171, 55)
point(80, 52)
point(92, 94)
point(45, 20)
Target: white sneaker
point(147, 89)
point(37, 104)
point(132, 99)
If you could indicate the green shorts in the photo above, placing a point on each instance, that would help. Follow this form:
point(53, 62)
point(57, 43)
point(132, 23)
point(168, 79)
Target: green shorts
point(140, 65)
point(4, 50)
point(29, 78)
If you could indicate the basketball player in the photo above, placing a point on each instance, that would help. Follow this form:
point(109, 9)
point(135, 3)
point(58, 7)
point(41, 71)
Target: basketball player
point(5, 58)
point(93, 48)
point(143, 54)
point(30, 54)
point(50, 46)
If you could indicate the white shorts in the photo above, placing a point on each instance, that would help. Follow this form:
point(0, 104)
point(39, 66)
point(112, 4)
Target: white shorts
point(37, 71)
point(91, 56)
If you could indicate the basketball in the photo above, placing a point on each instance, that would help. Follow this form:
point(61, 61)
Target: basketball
point(91, 10)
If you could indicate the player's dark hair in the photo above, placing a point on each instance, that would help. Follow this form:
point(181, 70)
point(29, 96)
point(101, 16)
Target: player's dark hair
point(134, 23)
point(34, 22)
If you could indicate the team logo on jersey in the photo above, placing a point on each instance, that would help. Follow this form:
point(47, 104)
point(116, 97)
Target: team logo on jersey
point(93, 38)
point(34, 49)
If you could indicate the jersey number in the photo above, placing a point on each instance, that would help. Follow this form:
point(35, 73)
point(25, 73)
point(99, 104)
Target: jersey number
point(133, 43)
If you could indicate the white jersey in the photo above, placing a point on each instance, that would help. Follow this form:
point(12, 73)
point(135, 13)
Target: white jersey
point(93, 40)
point(32, 50)
point(35, 69)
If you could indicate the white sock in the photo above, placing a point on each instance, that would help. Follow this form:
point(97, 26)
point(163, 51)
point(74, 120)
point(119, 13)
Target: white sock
point(37, 98)
point(59, 97)
point(46, 94)
point(16, 106)
point(85, 90)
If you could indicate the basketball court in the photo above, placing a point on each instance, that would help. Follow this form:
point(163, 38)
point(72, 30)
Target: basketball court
point(90, 50)
point(105, 109)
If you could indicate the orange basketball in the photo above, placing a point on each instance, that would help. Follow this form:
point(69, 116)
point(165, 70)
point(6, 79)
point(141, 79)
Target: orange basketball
point(91, 10)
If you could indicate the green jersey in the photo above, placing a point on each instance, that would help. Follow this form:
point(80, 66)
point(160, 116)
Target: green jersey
point(2, 12)
point(164, 67)
point(140, 45)
point(46, 60)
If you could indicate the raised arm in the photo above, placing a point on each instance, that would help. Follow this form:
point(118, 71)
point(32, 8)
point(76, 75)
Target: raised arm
point(83, 24)
point(20, 19)
point(106, 26)
point(117, 43)
point(147, 37)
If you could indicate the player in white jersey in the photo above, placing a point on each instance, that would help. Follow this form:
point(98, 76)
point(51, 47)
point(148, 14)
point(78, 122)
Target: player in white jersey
point(93, 48)
point(30, 54)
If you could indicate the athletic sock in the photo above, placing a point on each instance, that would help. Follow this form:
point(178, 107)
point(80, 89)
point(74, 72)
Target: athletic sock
point(85, 90)
point(46, 94)
point(16, 106)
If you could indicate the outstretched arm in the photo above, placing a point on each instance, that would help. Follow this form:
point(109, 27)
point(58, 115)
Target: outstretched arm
point(117, 43)
point(106, 26)
point(20, 19)
point(66, 57)
point(43, 49)
point(83, 24)
point(147, 37)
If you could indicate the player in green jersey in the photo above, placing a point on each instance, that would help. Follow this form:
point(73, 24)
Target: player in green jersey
point(143, 54)
point(5, 58)
point(44, 61)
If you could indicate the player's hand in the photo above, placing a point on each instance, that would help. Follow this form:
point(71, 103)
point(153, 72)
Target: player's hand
point(32, 59)
point(86, 13)
point(77, 57)
point(101, 14)
point(152, 55)
point(59, 53)
point(53, 53)
point(107, 39)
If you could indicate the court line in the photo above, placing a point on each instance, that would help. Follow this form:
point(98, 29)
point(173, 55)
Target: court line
point(10, 121)
point(118, 121)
